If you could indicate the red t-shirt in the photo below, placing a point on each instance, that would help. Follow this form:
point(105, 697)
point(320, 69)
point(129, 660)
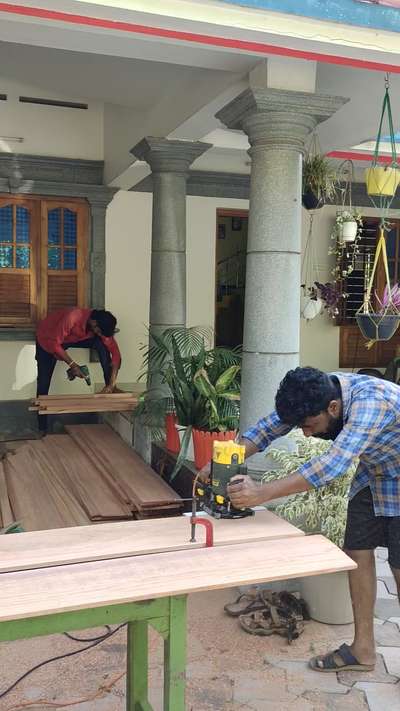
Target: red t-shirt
point(70, 326)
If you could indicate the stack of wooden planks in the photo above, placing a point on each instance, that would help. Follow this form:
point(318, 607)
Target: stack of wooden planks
point(86, 476)
point(66, 404)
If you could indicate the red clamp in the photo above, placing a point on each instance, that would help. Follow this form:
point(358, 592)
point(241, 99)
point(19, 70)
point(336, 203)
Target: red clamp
point(208, 526)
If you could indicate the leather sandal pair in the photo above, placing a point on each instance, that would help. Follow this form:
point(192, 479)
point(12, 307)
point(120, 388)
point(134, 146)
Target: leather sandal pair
point(265, 613)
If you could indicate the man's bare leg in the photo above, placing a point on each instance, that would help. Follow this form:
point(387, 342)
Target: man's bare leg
point(363, 595)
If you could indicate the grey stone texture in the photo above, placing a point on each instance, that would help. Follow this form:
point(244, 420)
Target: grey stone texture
point(277, 124)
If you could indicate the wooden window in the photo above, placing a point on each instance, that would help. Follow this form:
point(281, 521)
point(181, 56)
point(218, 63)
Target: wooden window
point(353, 353)
point(43, 257)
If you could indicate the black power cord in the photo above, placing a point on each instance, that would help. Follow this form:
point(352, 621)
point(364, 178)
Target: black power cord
point(94, 642)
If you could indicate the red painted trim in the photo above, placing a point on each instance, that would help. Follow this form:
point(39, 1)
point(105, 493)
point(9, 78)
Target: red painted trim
point(352, 155)
point(240, 45)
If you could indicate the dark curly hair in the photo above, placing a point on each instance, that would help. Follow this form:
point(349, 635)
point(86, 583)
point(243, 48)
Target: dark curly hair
point(106, 321)
point(303, 392)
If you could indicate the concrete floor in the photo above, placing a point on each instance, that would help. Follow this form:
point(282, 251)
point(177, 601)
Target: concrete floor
point(228, 670)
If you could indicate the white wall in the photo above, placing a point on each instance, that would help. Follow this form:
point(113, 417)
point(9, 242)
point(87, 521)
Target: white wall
point(48, 130)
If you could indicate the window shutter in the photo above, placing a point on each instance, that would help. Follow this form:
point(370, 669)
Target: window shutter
point(18, 261)
point(63, 255)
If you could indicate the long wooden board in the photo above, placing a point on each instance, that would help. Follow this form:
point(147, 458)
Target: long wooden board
point(47, 591)
point(38, 498)
point(100, 402)
point(118, 540)
point(96, 496)
point(136, 480)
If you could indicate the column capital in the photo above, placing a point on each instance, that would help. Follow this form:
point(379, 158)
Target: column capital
point(169, 156)
point(278, 118)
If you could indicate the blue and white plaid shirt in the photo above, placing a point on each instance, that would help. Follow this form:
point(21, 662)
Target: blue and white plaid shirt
point(371, 432)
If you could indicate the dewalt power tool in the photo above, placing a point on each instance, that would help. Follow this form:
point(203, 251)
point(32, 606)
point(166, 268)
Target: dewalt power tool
point(84, 369)
point(227, 461)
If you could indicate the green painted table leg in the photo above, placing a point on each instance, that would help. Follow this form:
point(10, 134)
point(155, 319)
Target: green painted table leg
point(137, 667)
point(175, 656)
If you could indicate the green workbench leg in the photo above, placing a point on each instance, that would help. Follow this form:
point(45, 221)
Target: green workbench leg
point(175, 656)
point(137, 667)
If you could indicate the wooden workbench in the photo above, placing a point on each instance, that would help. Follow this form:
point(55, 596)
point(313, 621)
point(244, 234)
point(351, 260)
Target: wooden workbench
point(128, 581)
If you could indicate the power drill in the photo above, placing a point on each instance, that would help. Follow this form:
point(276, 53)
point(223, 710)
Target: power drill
point(84, 369)
point(227, 461)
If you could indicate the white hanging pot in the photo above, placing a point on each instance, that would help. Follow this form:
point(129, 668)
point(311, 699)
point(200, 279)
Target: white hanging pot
point(349, 231)
point(311, 308)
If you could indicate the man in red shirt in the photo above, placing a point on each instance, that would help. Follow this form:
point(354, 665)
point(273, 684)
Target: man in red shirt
point(76, 328)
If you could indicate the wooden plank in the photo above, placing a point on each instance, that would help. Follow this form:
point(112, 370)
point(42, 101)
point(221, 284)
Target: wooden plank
point(32, 593)
point(85, 396)
point(38, 498)
point(138, 482)
point(118, 540)
point(96, 496)
point(70, 409)
point(7, 516)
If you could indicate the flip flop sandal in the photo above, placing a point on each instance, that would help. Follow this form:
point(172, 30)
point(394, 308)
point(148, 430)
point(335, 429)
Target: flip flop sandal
point(271, 621)
point(247, 602)
point(329, 663)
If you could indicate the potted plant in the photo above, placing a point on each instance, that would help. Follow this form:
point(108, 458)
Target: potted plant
point(382, 180)
point(348, 225)
point(382, 324)
point(330, 295)
point(322, 510)
point(311, 303)
point(319, 181)
point(379, 322)
point(199, 384)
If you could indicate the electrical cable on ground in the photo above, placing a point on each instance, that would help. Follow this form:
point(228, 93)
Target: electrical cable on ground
point(61, 656)
point(103, 689)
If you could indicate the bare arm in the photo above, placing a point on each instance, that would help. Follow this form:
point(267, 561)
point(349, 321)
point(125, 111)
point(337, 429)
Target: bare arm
point(244, 491)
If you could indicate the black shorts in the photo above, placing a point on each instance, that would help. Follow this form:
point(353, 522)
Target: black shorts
point(365, 531)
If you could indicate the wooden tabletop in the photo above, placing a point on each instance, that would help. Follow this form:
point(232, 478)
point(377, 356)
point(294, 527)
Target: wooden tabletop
point(64, 546)
point(32, 593)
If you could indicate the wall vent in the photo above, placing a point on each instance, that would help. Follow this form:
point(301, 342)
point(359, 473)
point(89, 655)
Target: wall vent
point(52, 102)
point(3, 97)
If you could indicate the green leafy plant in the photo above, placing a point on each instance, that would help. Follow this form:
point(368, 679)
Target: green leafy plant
point(199, 383)
point(319, 177)
point(322, 510)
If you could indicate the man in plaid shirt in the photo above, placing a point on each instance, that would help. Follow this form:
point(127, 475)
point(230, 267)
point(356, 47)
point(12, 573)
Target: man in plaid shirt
point(361, 415)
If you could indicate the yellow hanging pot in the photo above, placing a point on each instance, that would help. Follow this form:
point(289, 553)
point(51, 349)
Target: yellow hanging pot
point(382, 180)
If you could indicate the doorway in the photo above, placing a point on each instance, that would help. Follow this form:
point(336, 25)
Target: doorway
point(231, 248)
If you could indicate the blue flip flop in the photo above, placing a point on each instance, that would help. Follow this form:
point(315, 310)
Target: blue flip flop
point(328, 663)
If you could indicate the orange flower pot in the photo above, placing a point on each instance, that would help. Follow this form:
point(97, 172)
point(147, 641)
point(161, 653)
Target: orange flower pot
point(203, 445)
point(172, 436)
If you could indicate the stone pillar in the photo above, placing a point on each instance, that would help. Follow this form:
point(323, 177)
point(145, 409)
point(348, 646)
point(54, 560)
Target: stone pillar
point(170, 161)
point(277, 123)
point(98, 254)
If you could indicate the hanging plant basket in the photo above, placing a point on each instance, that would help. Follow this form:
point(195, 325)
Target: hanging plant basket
point(349, 230)
point(382, 181)
point(311, 201)
point(378, 327)
point(382, 325)
point(311, 307)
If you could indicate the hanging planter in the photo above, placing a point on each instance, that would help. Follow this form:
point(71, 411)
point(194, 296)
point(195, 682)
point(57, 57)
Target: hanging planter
point(382, 324)
point(382, 181)
point(378, 327)
point(319, 180)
